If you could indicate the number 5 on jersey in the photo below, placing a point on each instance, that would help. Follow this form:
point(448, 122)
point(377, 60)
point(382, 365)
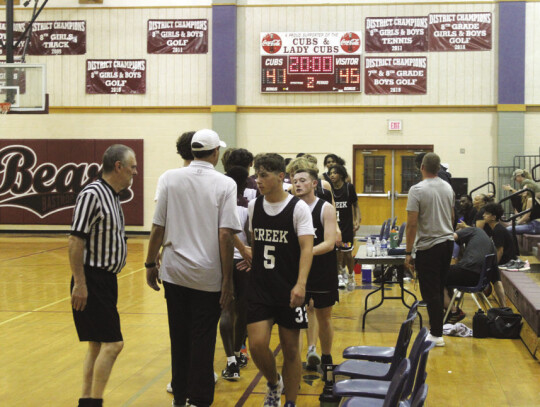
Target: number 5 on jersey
point(269, 259)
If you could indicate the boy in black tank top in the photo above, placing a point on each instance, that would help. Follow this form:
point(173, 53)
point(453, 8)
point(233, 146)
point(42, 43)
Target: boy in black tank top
point(282, 242)
point(348, 214)
point(322, 285)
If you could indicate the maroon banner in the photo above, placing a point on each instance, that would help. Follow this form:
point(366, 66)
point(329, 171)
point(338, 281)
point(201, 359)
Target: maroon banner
point(396, 76)
point(116, 76)
point(177, 37)
point(58, 38)
point(396, 34)
point(460, 32)
point(18, 29)
point(40, 179)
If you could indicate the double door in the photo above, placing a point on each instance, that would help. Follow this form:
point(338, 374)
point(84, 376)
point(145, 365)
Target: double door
point(382, 177)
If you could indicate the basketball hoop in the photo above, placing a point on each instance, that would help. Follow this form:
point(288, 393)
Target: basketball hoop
point(4, 108)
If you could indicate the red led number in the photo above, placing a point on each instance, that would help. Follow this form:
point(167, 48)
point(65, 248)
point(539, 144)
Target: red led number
point(311, 64)
point(310, 82)
point(349, 75)
point(271, 76)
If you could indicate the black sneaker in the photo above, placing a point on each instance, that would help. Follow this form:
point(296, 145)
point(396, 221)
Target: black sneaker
point(242, 360)
point(508, 265)
point(455, 317)
point(231, 372)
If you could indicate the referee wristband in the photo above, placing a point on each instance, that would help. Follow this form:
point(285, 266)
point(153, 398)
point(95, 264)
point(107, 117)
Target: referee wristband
point(408, 253)
point(149, 265)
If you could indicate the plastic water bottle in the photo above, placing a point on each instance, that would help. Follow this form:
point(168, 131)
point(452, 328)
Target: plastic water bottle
point(384, 248)
point(377, 247)
point(394, 236)
point(369, 247)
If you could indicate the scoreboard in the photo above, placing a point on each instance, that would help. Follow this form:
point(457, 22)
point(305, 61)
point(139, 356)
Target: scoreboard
point(310, 62)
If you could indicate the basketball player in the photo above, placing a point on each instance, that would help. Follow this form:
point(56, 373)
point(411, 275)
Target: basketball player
point(348, 214)
point(322, 285)
point(282, 236)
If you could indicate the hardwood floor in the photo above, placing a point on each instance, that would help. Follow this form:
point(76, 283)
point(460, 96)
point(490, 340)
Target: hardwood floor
point(41, 358)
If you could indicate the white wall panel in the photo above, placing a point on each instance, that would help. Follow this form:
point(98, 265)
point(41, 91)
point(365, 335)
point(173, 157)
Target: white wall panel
point(323, 133)
point(532, 138)
point(454, 78)
point(171, 80)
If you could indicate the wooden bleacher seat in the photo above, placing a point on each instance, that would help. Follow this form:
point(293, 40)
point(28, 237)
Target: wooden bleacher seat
point(524, 294)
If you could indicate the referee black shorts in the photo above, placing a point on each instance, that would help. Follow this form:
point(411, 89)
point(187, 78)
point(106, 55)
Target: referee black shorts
point(99, 321)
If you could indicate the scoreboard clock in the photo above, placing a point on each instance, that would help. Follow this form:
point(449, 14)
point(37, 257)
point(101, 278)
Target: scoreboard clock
point(310, 62)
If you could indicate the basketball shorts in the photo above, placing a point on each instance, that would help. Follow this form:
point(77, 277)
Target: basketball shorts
point(322, 299)
point(284, 316)
point(99, 321)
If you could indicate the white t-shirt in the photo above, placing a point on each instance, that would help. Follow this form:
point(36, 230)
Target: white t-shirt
point(194, 203)
point(303, 223)
point(243, 215)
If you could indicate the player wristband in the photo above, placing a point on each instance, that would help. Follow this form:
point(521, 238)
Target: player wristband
point(149, 265)
point(408, 253)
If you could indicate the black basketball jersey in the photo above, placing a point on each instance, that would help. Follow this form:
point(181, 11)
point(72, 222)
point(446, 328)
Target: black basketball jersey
point(323, 275)
point(344, 198)
point(276, 255)
point(322, 193)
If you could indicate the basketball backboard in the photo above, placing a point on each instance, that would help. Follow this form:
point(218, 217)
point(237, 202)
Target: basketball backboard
point(24, 86)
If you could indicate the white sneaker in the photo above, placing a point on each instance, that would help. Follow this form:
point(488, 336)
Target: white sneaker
point(313, 359)
point(352, 283)
point(341, 282)
point(273, 395)
point(439, 340)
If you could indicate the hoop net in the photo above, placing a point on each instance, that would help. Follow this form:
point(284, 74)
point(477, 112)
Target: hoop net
point(4, 108)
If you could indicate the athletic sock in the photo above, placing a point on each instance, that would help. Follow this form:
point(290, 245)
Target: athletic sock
point(231, 360)
point(312, 348)
point(86, 402)
point(237, 354)
point(97, 402)
point(326, 360)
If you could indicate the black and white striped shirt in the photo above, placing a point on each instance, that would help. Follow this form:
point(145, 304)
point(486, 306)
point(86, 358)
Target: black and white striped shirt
point(99, 220)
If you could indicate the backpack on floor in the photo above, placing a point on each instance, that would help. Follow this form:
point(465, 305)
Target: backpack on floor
point(504, 323)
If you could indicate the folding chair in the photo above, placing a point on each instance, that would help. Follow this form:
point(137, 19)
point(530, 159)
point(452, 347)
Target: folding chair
point(385, 354)
point(490, 262)
point(394, 392)
point(379, 388)
point(363, 369)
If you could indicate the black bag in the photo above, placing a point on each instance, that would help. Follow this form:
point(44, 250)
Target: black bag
point(503, 323)
point(480, 323)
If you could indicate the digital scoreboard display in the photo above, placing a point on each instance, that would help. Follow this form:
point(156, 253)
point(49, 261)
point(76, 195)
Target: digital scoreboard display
point(310, 62)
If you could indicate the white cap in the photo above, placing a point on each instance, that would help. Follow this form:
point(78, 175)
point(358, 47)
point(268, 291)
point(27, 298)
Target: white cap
point(209, 140)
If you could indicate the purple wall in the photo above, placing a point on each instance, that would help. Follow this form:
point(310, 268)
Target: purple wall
point(512, 52)
point(224, 55)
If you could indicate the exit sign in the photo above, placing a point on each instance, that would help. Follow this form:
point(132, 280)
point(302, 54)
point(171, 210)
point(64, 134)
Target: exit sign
point(395, 125)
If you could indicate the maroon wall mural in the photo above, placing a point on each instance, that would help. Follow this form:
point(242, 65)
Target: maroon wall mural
point(40, 179)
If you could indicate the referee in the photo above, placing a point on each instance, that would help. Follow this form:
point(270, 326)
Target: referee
point(97, 252)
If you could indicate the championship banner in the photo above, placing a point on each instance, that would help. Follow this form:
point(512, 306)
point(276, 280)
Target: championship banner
point(460, 32)
point(18, 30)
point(396, 34)
point(58, 38)
point(396, 76)
point(310, 61)
point(116, 76)
point(177, 37)
point(40, 179)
